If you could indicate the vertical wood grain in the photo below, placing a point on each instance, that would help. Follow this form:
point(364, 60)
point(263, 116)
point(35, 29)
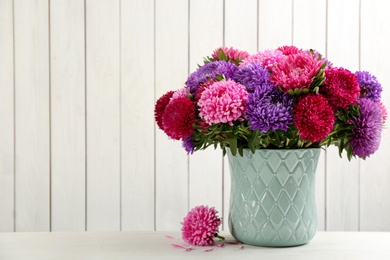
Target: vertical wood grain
point(240, 32)
point(6, 117)
point(241, 25)
point(103, 115)
point(275, 23)
point(137, 121)
point(32, 134)
point(342, 175)
point(205, 166)
point(375, 171)
point(171, 71)
point(309, 32)
point(67, 115)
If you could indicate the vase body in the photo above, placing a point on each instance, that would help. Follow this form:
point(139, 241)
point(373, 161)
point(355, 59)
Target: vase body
point(272, 199)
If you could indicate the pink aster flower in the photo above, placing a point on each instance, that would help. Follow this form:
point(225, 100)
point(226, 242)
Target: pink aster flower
point(341, 88)
point(267, 59)
point(296, 71)
point(178, 118)
point(231, 54)
point(223, 102)
point(183, 92)
point(383, 110)
point(200, 226)
point(314, 117)
point(288, 50)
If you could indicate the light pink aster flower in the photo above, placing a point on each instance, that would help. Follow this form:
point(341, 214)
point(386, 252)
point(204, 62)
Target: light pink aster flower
point(231, 53)
point(200, 226)
point(267, 59)
point(296, 71)
point(223, 102)
point(183, 92)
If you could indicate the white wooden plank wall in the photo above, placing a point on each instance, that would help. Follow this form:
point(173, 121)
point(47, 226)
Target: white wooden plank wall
point(79, 149)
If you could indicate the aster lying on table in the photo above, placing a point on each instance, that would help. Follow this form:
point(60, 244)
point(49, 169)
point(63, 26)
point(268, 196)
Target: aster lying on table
point(284, 98)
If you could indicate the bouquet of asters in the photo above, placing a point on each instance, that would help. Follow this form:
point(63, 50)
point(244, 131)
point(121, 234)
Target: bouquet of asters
point(287, 98)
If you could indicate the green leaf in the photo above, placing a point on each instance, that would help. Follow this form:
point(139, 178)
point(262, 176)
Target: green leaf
point(221, 55)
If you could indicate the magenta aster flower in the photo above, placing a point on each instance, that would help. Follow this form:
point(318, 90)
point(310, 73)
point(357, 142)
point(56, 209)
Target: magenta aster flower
point(369, 86)
point(178, 118)
point(223, 102)
point(366, 135)
point(231, 54)
point(340, 88)
point(267, 59)
point(296, 71)
point(200, 226)
point(314, 117)
point(159, 108)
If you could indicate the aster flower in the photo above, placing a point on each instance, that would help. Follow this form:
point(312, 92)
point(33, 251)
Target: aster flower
point(159, 108)
point(200, 226)
point(178, 118)
point(202, 87)
point(183, 92)
point(269, 108)
point(318, 55)
point(230, 54)
point(314, 118)
point(188, 145)
point(366, 135)
point(267, 59)
point(288, 50)
point(369, 86)
point(296, 71)
point(340, 88)
point(383, 110)
point(223, 102)
point(210, 71)
point(251, 76)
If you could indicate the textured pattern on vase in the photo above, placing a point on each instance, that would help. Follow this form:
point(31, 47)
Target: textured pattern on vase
point(272, 201)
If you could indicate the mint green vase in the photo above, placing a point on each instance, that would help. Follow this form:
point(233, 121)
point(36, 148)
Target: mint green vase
point(272, 200)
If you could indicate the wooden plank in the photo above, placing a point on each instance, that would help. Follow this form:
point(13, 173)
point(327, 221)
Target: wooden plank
point(137, 121)
point(205, 183)
point(275, 23)
point(103, 115)
point(67, 115)
point(241, 25)
point(32, 137)
point(154, 245)
point(309, 32)
point(6, 117)
point(171, 68)
point(342, 175)
point(241, 29)
point(374, 172)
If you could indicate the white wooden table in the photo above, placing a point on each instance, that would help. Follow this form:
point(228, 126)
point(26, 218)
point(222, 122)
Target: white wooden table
point(156, 245)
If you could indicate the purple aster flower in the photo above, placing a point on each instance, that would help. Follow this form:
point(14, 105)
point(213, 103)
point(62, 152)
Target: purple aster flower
point(251, 76)
point(366, 135)
point(269, 108)
point(210, 71)
point(188, 145)
point(369, 85)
